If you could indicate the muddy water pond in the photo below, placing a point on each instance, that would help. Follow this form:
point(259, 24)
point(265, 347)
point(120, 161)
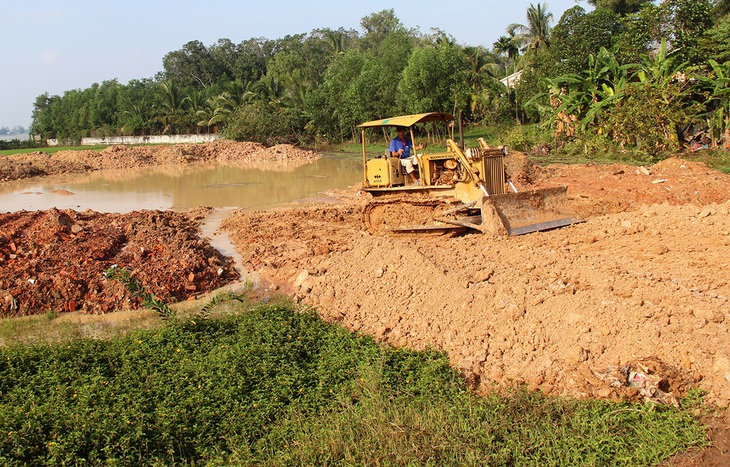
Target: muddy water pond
point(182, 187)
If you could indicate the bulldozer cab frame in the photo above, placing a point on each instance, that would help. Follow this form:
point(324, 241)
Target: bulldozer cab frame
point(386, 172)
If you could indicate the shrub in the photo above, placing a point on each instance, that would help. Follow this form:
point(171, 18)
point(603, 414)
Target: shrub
point(263, 123)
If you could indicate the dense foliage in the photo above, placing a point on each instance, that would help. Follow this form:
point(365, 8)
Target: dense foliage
point(318, 86)
point(271, 385)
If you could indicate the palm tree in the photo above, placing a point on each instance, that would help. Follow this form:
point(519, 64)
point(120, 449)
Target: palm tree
point(482, 63)
point(238, 91)
point(268, 89)
point(194, 103)
point(482, 66)
point(170, 100)
point(507, 47)
point(336, 39)
point(217, 109)
point(536, 34)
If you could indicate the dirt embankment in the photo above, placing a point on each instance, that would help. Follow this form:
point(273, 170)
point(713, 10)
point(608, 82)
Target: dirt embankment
point(639, 291)
point(248, 154)
point(54, 260)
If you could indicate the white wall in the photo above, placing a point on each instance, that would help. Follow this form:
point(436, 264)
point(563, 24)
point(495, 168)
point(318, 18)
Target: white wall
point(157, 139)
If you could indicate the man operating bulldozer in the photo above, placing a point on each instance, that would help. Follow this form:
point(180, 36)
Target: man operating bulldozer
point(400, 147)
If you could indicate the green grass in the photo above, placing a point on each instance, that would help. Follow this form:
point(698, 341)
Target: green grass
point(52, 149)
point(54, 327)
point(717, 159)
point(267, 384)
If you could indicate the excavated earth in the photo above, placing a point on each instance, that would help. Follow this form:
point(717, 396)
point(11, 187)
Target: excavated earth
point(55, 260)
point(246, 154)
point(632, 303)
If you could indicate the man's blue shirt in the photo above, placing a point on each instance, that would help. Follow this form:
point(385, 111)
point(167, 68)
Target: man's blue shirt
point(396, 144)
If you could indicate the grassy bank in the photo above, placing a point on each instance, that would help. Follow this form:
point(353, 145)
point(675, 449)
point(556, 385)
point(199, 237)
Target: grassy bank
point(266, 384)
point(52, 149)
point(542, 149)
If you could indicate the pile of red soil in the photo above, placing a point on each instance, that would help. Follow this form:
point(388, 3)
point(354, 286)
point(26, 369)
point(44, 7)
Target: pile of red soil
point(54, 260)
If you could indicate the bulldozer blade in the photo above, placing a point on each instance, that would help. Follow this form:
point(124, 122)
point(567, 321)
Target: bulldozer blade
point(527, 211)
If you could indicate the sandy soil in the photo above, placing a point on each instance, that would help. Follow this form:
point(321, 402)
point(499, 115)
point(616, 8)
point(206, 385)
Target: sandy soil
point(640, 290)
point(284, 156)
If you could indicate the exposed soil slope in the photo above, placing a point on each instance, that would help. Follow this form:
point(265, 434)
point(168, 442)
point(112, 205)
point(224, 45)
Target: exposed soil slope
point(638, 291)
point(124, 157)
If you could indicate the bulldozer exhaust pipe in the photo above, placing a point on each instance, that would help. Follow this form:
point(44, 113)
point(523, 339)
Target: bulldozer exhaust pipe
point(461, 129)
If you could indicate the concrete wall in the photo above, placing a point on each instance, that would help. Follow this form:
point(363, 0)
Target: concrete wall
point(157, 139)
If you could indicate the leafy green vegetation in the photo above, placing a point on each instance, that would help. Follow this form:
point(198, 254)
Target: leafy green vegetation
point(268, 384)
point(599, 78)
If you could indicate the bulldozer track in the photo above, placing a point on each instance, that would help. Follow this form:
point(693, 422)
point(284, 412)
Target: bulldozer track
point(391, 214)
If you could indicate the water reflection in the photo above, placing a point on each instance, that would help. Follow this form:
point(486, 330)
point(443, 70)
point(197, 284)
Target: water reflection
point(182, 187)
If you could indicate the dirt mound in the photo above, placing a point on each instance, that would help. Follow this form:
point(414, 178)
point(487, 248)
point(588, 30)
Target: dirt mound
point(630, 304)
point(54, 260)
point(286, 157)
point(604, 189)
point(520, 169)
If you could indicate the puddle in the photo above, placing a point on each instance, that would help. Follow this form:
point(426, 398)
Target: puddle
point(221, 241)
point(224, 188)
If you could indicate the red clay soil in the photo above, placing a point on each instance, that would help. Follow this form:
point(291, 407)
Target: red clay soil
point(54, 260)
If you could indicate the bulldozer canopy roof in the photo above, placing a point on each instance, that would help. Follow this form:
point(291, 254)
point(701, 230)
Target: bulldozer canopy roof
point(409, 120)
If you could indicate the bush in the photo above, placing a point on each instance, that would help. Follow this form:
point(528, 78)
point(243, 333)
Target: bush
point(524, 137)
point(19, 144)
point(263, 123)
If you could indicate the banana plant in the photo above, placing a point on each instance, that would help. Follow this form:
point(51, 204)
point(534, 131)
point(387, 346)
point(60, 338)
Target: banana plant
point(587, 94)
point(661, 73)
point(719, 118)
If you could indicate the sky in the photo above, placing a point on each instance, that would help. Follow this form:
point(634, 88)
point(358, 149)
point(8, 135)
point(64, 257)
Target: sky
point(57, 45)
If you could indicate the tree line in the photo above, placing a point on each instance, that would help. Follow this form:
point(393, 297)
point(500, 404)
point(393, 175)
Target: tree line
point(631, 71)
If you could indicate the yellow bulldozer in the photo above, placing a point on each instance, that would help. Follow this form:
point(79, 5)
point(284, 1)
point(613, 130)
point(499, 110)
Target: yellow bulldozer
point(457, 188)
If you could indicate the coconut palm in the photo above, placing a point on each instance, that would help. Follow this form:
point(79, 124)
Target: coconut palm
point(483, 66)
point(170, 100)
point(268, 89)
point(507, 48)
point(536, 34)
